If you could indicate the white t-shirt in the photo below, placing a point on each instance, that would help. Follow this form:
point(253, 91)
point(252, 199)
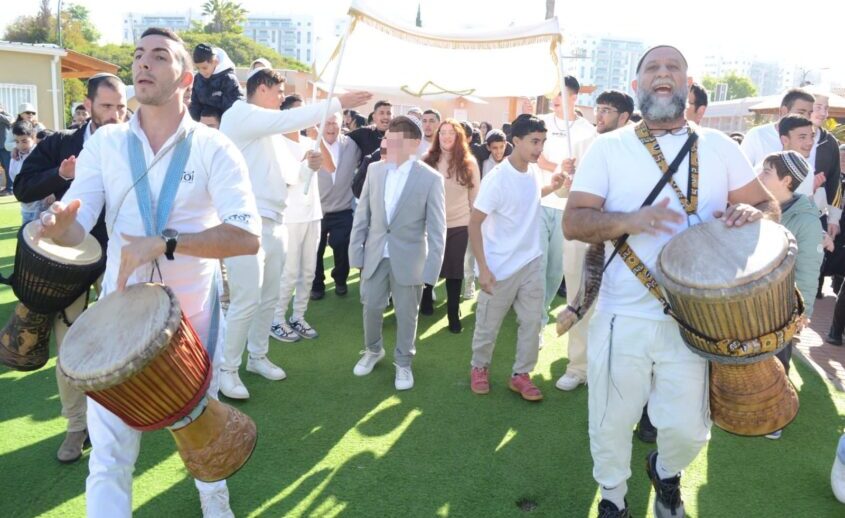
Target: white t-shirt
point(214, 188)
point(619, 168)
point(511, 231)
point(299, 207)
point(555, 149)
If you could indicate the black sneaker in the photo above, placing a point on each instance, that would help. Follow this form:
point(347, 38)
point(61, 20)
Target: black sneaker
point(646, 431)
point(341, 290)
point(667, 498)
point(317, 294)
point(608, 509)
point(833, 339)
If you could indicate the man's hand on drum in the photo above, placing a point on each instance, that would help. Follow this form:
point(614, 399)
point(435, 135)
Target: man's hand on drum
point(55, 221)
point(137, 251)
point(739, 214)
point(654, 219)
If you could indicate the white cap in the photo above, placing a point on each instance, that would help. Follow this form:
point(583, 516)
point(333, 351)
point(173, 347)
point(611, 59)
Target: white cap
point(26, 107)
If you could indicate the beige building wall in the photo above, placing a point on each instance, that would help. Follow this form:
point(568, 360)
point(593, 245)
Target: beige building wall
point(35, 69)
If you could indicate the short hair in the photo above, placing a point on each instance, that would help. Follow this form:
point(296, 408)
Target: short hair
point(796, 94)
point(290, 100)
point(622, 102)
point(495, 135)
point(572, 84)
point(699, 95)
point(636, 116)
point(41, 135)
point(791, 122)
point(80, 108)
point(182, 52)
point(737, 136)
point(352, 113)
point(525, 124)
point(381, 103)
point(202, 53)
point(406, 126)
point(96, 81)
point(434, 112)
point(468, 129)
point(23, 128)
point(263, 76)
point(791, 164)
point(210, 111)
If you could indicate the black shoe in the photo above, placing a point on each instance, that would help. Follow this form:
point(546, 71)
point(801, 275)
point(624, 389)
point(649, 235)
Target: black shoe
point(667, 498)
point(646, 431)
point(455, 324)
point(561, 291)
point(427, 302)
point(317, 294)
point(833, 339)
point(341, 290)
point(608, 509)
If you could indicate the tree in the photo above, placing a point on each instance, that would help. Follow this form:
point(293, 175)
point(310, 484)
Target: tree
point(79, 15)
point(77, 29)
point(226, 16)
point(738, 86)
point(33, 29)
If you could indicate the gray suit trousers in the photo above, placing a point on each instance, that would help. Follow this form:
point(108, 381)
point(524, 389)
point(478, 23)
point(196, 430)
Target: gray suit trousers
point(375, 292)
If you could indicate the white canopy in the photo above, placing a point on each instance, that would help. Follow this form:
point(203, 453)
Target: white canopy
point(384, 55)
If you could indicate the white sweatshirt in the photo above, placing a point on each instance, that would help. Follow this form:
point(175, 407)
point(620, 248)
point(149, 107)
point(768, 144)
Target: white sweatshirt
point(257, 133)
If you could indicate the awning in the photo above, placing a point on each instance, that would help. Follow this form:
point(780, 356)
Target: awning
point(81, 66)
point(384, 56)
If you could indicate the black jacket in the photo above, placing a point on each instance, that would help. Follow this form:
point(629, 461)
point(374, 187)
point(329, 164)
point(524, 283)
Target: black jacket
point(827, 162)
point(39, 176)
point(220, 91)
point(368, 140)
point(361, 172)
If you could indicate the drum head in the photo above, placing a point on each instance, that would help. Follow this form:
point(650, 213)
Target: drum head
point(119, 335)
point(713, 256)
point(87, 252)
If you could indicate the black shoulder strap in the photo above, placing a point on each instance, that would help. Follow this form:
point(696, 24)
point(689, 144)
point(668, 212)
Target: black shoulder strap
point(673, 167)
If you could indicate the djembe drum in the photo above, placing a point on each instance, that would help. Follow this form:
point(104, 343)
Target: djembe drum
point(135, 353)
point(733, 292)
point(47, 279)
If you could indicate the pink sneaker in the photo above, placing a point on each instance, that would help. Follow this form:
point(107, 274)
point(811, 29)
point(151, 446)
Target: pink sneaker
point(522, 384)
point(479, 380)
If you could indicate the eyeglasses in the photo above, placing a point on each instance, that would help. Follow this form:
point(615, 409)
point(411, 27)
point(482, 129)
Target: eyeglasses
point(605, 111)
point(29, 113)
point(683, 130)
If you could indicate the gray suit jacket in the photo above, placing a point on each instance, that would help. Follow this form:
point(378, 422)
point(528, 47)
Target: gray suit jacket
point(416, 237)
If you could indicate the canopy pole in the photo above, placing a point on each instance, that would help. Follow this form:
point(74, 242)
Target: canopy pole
point(564, 97)
point(319, 140)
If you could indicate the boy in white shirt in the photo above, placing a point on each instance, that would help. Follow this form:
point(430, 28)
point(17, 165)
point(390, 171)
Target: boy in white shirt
point(506, 243)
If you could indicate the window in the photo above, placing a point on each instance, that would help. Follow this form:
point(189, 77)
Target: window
point(298, 37)
point(13, 95)
point(308, 58)
point(308, 37)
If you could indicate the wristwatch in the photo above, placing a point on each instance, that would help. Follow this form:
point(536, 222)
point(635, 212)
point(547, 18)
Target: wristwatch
point(171, 237)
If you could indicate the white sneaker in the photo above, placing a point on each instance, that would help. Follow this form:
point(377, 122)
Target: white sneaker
point(264, 367)
point(570, 381)
point(301, 328)
point(837, 474)
point(404, 378)
point(469, 289)
point(215, 504)
point(282, 332)
point(231, 385)
point(368, 360)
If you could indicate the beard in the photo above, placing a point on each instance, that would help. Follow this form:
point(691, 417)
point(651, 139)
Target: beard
point(662, 109)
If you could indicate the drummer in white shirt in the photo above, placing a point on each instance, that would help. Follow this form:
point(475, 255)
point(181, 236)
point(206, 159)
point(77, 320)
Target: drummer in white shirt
point(213, 216)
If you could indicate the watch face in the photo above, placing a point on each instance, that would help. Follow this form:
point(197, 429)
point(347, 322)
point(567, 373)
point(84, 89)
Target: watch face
point(169, 233)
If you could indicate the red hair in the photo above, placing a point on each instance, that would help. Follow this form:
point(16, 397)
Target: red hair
point(460, 158)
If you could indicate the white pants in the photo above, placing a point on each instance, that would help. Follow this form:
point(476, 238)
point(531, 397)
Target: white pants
point(253, 292)
point(469, 266)
point(300, 266)
point(574, 253)
point(551, 241)
point(631, 362)
point(115, 448)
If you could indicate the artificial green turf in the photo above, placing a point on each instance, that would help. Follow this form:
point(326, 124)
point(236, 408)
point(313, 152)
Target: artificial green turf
point(332, 444)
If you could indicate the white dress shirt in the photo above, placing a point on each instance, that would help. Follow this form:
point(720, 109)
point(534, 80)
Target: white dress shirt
point(394, 182)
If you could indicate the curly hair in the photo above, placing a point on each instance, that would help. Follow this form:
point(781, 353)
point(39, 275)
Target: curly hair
point(460, 158)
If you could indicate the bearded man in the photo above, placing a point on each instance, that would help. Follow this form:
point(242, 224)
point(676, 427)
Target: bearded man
point(635, 353)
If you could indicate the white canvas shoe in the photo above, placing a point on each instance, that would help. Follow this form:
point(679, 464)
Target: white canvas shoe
point(570, 381)
point(264, 367)
point(231, 385)
point(368, 360)
point(404, 378)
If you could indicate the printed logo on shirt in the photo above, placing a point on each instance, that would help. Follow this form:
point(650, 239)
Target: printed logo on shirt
point(238, 218)
point(188, 177)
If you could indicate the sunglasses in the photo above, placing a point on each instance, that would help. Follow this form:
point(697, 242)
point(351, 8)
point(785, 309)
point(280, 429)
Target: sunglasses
point(29, 113)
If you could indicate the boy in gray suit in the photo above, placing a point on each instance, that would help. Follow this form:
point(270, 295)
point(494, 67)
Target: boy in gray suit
point(398, 239)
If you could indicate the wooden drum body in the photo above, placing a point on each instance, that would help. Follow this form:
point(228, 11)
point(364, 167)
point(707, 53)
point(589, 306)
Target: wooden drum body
point(136, 354)
point(47, 279)
point(734, 291)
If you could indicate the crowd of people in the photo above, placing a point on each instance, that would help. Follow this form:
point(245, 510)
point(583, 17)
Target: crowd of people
point(503, 216)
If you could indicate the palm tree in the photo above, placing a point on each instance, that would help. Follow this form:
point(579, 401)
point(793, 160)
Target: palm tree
point(226, 15)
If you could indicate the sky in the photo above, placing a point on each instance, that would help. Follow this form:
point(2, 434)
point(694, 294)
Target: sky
point(729, 27)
